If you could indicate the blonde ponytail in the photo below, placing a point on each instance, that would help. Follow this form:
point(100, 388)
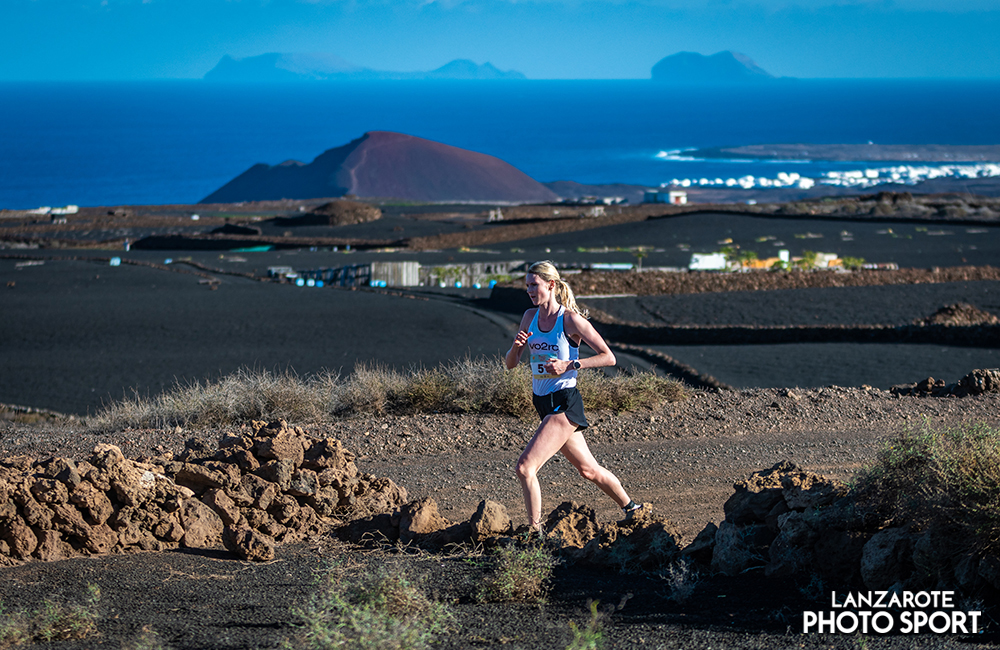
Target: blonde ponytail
point(564, 294)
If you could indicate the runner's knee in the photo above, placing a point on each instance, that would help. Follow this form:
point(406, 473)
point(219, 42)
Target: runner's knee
point(524, 470)
point(590, 473)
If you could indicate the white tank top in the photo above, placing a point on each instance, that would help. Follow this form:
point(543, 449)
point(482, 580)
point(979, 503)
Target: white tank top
point(543, 346)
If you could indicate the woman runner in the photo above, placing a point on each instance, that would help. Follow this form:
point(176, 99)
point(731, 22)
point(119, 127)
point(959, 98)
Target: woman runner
point(552, 332)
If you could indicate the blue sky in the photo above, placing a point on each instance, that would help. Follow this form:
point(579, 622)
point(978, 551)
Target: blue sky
point(544, 39)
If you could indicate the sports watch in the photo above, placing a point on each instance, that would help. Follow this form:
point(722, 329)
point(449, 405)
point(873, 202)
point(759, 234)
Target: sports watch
point(576, 365)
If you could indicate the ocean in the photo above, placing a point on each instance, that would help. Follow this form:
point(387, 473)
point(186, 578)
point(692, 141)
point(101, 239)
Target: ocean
point(116, 143)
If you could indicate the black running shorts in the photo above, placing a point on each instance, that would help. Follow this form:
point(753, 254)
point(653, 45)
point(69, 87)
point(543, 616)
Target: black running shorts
point(566, 401)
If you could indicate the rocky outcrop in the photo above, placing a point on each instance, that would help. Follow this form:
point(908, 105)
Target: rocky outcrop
point(334, 213)
point(977, 382)
point(640, 542)
point(792, 522)
point(269, 483)
point(960, 314)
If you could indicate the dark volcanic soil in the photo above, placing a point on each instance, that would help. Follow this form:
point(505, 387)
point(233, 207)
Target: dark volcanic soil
point(74, 332)
point(79, 334)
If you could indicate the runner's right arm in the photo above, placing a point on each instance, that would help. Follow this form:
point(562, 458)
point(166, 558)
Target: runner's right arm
point(513, 356)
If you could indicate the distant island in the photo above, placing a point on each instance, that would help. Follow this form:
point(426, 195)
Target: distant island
point(722, 67)
point(382, 164)
point(284, 67)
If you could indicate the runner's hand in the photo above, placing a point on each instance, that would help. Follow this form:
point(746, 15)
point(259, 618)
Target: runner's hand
point(557, 366)
point(521, 339)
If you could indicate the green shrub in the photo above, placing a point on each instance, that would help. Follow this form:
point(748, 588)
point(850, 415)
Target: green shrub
point(378, 612)
point(519, 574)
point(53, 622)
point(591, 637)
point(853, 263)
point(949, 478)
point(14, 628)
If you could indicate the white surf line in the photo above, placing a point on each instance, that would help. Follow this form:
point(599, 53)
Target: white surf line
point(608, 295)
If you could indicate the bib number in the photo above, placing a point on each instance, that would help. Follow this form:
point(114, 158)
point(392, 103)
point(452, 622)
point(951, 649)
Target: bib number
point(538, 362)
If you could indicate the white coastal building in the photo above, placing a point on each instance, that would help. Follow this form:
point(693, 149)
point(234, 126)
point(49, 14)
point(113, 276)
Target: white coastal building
point(674, 197)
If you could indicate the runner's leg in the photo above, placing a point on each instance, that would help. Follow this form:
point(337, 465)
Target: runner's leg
point(550, 437)
point(578, 454)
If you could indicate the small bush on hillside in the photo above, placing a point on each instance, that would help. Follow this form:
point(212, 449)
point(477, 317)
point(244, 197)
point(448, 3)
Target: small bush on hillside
point(949, 478)
point(432, 390)
point(487, 386)
point(518, 574)
point(380, 611)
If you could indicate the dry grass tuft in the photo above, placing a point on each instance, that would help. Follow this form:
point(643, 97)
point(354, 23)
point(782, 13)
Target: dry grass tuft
point(463, 386)
point(148, 639)
point(239, 397)
point(628, 392)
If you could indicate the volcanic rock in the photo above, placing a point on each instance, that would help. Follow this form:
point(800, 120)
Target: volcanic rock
point(334, 213)
point(573, 524)
point(202, 526)
point(981, 381)
point(887, 558)
point(490, 520)
point(420, 518)
point(248, 544)
point(959, 314)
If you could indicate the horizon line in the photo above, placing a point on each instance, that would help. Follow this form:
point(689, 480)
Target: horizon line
point(320, 82)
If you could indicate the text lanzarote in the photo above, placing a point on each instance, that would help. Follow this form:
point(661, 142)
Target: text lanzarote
point(905, 612)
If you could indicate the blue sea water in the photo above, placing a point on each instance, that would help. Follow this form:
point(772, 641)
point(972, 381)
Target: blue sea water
point(177, 141)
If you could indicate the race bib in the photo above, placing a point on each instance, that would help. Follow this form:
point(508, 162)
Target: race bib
point(538, 362)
